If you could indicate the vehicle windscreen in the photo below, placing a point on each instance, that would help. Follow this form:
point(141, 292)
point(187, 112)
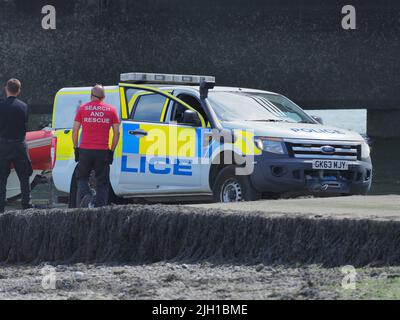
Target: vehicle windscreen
point(246, 106)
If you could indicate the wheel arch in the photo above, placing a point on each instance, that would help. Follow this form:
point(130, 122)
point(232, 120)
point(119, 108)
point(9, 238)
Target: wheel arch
point(219, 161)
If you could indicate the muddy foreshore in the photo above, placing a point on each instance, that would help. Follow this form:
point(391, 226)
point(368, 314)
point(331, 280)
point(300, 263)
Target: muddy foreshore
point(194, 281)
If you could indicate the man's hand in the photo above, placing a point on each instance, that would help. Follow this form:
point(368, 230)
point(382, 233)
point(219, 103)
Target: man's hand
point(76, 150)
point(110, 157)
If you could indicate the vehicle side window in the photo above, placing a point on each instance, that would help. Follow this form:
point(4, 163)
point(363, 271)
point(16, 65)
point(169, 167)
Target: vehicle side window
point(148, 108)
point(178, 109)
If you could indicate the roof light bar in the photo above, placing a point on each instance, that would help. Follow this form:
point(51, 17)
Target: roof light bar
point(160, 78)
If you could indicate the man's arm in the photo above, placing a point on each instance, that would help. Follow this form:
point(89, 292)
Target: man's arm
point(75, 133)
point(116, 134)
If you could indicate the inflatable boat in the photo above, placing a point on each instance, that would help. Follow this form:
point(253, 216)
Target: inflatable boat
point(39, 146)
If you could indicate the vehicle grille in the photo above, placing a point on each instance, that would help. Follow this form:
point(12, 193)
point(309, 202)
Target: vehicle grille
point(318, 150)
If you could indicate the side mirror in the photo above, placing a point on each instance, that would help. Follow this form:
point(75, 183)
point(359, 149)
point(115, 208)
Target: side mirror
point(318, 119)
point(191, 118)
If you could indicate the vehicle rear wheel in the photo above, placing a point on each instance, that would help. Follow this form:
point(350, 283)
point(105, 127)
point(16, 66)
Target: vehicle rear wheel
point(89, 199)
point(73, 193)
point(229, 187)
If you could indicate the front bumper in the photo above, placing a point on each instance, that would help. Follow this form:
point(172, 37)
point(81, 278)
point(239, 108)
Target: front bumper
point(281, 174)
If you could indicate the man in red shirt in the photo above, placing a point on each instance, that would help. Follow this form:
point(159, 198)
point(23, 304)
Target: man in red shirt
point(93, 152)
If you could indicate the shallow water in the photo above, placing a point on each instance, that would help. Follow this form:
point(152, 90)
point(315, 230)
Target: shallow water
point(350, 119)
point(385, 152)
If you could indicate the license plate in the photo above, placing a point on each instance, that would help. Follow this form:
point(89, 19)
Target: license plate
point(330, 165)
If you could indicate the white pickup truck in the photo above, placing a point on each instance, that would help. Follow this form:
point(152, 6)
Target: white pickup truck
point(169, 146)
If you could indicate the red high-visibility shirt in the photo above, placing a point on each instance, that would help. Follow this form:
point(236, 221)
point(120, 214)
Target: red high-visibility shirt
point(96, 118)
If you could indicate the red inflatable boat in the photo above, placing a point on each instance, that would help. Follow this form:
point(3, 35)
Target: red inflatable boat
point(39, 145)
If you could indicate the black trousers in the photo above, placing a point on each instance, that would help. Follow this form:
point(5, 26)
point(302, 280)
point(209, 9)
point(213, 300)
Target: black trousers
point(15, 153)
point(98, 161)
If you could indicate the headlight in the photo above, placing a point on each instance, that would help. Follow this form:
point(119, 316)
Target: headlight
point(365, 150)
point(272, 145)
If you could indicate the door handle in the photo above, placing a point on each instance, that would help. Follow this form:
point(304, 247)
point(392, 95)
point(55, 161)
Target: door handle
point(137, 133)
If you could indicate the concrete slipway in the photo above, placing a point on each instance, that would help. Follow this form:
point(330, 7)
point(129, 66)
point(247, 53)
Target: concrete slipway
point(357, 207)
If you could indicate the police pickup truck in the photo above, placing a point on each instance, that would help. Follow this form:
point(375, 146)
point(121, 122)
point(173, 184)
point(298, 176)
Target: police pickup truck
point(184, 137)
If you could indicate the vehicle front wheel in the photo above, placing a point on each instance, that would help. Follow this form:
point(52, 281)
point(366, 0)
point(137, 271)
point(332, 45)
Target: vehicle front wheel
point(229, 187)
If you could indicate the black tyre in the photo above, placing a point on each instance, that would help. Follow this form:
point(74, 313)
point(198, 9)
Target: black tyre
point(73, 193)
point(88, 200)
point(229, 187)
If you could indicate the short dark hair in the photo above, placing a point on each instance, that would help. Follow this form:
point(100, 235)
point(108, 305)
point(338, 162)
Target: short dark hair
point(13, 86)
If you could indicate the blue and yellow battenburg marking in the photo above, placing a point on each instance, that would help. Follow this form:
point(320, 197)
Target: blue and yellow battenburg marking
point(158, 165)
point(171, 149)
point(166, 149)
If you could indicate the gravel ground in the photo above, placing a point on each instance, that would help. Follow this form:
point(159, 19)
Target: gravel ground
point(198, 281)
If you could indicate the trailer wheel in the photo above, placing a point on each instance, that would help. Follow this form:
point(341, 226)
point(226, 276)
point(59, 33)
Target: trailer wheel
point(229, 187)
